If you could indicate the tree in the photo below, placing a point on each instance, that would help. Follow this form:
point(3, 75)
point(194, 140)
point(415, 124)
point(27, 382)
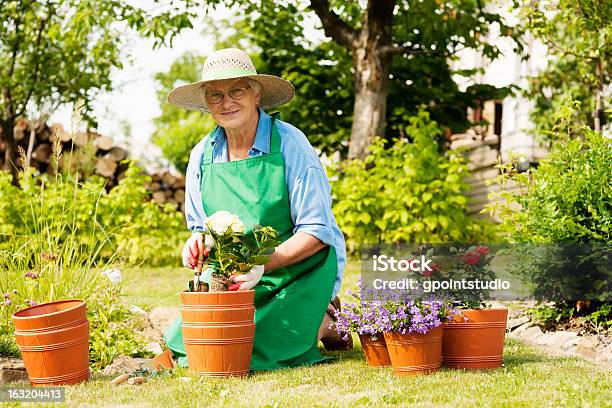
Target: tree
point(373, 39)
point(579, 39)
point(58, 51)
point(178, 130)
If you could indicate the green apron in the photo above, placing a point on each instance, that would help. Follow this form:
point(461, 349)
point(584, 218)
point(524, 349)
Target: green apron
point(289, 302)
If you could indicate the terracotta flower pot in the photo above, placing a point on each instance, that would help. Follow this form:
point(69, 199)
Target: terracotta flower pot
point(477, 343)
point(54, 342)
point(415, 353)
point(375, 350)
point(218, 331)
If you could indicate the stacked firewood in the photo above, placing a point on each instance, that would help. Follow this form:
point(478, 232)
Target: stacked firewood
point(168, 188)
point(88, 153)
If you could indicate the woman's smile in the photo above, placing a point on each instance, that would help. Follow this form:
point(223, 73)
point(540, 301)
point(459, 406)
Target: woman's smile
point(229, 114)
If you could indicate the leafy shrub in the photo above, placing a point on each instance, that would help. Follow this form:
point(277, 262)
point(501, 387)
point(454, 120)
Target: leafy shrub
point(566, 199)
point(57, 233)
point(124, 223)
point(29, 277)
point(114, 330)
point(409, 192)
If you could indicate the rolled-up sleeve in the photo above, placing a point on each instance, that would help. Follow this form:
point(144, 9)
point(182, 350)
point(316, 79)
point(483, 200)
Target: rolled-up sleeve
point(310, 203)
point(194, 210)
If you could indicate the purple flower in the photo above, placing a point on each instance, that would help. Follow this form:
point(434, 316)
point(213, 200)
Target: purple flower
point(32, 275)
point(8, 302)
point(7, 295)
point(33, 303)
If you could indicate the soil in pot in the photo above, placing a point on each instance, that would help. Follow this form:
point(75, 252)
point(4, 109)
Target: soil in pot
point(219, 284)
point(375, 350)
point(54, 342)
point(415, 353)
point(477, 343)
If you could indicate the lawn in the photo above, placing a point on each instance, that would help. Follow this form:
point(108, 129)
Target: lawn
point(528, 378)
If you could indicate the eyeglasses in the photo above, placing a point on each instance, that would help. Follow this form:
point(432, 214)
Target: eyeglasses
point(216, 97)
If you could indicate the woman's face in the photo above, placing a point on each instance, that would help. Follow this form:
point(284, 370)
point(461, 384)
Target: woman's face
point(230, 113)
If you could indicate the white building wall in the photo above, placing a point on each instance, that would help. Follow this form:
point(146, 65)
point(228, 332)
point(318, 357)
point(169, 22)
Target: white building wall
point(507, 70)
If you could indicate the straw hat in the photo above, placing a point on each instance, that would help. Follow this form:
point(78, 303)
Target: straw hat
point(231, 63)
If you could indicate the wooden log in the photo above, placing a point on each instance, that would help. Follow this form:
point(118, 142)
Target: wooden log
point(179, 195)
point(58, 131)
point(153, 186)
point(169, 195)
point(43, 132)
point(81, 138)
point(103, 143)
point(106, 167)
point(117, 154)
point(19, 131)
point(182, 206)
point(42, 153)
point(179, 183)
point(168, 178)
point(156, 177)
point(159, 197)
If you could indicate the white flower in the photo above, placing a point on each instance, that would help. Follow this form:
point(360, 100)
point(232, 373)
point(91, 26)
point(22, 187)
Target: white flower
point(224, 222)
point(113, 275)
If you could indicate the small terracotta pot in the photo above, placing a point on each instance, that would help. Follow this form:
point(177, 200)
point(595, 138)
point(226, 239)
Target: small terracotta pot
point(375, 350)
point(415, 353)
point(218, 331)
point(54, 342)
point(477, 343)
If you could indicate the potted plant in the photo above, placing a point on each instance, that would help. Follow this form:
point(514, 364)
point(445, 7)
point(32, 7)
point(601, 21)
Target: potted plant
point(362, 317)
point(414, 333)
point(475, 337)
point(218, 325)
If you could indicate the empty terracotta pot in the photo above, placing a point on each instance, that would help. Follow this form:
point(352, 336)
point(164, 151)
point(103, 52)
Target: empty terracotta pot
point(218, 331)
point(54, 342)
point(375, 350)
point(477, 343)
point(415, 353)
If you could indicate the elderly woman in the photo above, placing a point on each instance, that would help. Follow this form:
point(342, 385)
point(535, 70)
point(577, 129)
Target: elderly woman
point(266, 172)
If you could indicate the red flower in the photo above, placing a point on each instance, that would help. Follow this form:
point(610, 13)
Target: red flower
point(471, 258)
point(482, 250)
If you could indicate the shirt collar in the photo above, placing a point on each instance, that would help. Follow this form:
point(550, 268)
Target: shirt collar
point(262, 136)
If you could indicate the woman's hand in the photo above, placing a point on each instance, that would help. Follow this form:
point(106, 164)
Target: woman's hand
point(247, 280)
point(198, 244)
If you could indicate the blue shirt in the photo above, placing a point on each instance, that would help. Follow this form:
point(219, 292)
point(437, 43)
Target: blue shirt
point(307, 184)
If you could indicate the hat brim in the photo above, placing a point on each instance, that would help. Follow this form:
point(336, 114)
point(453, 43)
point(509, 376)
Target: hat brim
point(274, 91)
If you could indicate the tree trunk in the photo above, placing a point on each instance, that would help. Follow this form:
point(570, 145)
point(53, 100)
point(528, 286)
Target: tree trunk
point(371, 91)
point(371, 49)
point(10, 150)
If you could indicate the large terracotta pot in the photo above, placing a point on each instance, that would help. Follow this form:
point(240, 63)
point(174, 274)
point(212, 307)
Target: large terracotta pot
point(54, 342)
point(415, 353)
point(477, 343)
point(375, 350)
point(218, 331)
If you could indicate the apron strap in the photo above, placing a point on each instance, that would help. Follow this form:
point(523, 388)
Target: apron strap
point(208, 151)
point(275, 137)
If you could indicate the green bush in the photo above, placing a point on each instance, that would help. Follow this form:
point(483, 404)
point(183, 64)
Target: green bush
point(409, 192)
point(566, 200)
point(57, 235)
point(124, 223)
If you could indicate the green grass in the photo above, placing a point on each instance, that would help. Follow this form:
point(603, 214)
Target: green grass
point(528, 378)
